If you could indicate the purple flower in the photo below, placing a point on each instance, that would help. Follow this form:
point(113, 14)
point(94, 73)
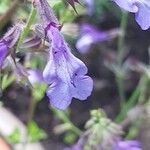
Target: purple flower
point(12, 36)
point(128, 145)
point(90, 35)
point(65, 73)
point(8, 41)
point(45, 12)
point(35, 76)
point(3, 52)
point(141, 8)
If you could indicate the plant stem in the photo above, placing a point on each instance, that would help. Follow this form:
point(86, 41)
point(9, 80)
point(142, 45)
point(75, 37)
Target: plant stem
point(30, 114)
point(120, 46)
point(119, 80)
point(62, 115)
point(31, 111)
point(121, 38)
point(26, 29)
point(132, 100)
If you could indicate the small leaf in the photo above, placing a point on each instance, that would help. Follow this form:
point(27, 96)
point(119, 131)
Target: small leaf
point(38, 91)
point(70, 138)
point(7, 80)
point(35, 133)
point(14, 137)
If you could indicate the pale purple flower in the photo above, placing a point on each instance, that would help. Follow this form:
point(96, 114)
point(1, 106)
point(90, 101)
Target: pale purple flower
point(45, 12)
point(128, 145)
point(90, 35)
point(12, 36)
point(3, 52)
point(8, 41)
point(65, 73)
point(35, 76)
point(141, 8)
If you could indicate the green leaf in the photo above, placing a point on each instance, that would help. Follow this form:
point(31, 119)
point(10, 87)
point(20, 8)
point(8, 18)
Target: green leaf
point(7, 80)
point(70, 138)
point(38, 91)
point(35, 133)
point(14, 137)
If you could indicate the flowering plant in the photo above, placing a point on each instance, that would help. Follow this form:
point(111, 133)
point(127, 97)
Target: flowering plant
point(70, 50)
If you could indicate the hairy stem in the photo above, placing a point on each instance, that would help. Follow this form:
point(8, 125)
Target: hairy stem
point(27, 29)
point(120, 46)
